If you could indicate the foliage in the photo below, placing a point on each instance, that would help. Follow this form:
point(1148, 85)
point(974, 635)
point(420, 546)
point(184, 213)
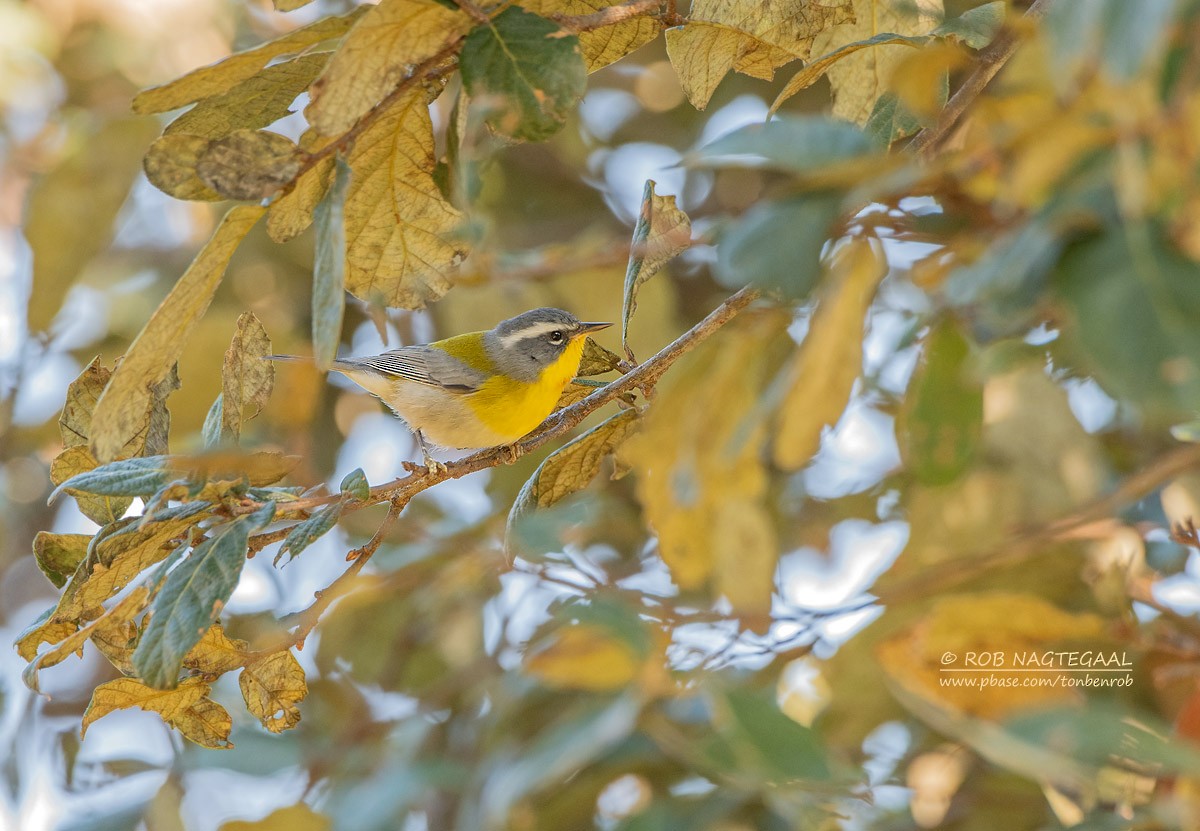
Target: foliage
point(951, 259)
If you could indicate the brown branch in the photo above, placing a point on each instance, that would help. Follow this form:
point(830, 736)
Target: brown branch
point(607, 16)
point(1024, 545)
point(473, 11)
point(990, 61)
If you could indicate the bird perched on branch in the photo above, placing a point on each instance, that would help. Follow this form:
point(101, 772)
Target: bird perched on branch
point(481, 389)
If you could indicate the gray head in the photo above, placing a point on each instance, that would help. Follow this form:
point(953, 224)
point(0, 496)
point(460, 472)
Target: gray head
point(525, 345)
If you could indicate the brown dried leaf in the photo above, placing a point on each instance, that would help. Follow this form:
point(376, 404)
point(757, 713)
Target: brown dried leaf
point(272, 687)
point(249, 164)
point(216, 653)
point(187, 708)
point(170, 165)
point(247, 377)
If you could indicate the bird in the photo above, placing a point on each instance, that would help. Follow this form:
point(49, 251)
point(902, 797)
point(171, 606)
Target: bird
point(480, 389)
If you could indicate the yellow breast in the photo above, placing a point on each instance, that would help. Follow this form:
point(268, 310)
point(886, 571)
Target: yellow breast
point(512, 408)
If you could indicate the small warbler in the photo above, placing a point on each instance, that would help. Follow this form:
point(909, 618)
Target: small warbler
point(481, 389)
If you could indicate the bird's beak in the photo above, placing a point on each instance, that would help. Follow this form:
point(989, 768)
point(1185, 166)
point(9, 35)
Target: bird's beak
point(588, 328)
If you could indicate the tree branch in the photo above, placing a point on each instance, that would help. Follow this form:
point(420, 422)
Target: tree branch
point(990, 61)
point(607, 16)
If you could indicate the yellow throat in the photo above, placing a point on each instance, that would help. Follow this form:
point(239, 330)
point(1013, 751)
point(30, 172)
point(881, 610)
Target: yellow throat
point(512, 408)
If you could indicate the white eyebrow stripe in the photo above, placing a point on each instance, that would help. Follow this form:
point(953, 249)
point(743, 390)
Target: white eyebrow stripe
point(544, 327)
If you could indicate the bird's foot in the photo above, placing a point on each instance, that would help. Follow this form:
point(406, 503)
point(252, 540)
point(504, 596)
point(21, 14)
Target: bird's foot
point(433, 467)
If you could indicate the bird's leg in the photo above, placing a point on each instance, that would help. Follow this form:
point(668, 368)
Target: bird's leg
point(431, 464)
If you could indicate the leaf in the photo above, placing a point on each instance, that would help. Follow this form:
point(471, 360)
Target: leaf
point(292, 211)
point(120, 614)
point(187, 708)
point(814, 71)
point(858, 79)
point(821, 376)
point(382, 48)
point(216, 653)
point(139, 476)
point(777, 245)
point(975, 27)
point(121, 411)
point(289, 5)
point(249, 164)
point(596, 360)
point(584, 657)
point(246, 376)
point(745, 555)
point(796, 144)
point(890, 121)
point(355, 485)
point(76, 461)
point(75, 420)
point(170, 165)
point(661, 232)
point(941, 422)
point(272, 687)
point(46, 629)
point(192, 598)
point(71, 210)
point(526, 70)
point(607, 44)
point(754, 38)
point(783, 749)
point(224, 74)
point(329, 270)
point(210, 432)
point(399, 229)
point(58, 555)
point(257, 102)
point(293, 818)
point(303, 534)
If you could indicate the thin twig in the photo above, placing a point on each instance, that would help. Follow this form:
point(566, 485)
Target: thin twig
point(991, 60)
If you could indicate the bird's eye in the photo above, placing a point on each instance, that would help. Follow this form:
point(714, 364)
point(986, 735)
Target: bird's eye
point(556, 336)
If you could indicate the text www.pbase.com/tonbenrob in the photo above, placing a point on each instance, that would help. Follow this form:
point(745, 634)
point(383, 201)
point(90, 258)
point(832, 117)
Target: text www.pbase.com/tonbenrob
point(987, 681)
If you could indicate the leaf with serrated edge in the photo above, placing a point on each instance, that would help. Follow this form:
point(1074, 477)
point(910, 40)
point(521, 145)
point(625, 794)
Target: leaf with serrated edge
point(216, 653)
point(246, 376)
point(124, 611)
point(607, 44)
point(860, 78)
point(526, 71)
point(249, 164)
point(820, 378)
point(272, 687)
point(661, 232)
point(329, 270)
point(399, 245)
point(192, 598)
point(187, 708)
point(256, 102)
point(383, 46)
point(220, 76)
point(121, 411)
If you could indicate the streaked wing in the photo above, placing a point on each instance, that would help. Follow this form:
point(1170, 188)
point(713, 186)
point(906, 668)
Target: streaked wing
point(424, 365)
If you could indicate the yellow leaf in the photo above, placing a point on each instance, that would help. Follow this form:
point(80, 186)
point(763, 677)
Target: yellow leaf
point(170, 165)
point(815, 70)
point(249, 164)
point(224, 74)
point(115, 618)
point(605, 45)
point(292, 212)
point(272, 687)
point(216, 653)
point(992, 628)
point(661, 232)
point(187, 708)
point(246, 377)
point(752, 37)
point(596, 360)
point(292, 818)
point(821, 376)
point(585, 657)
point(746, 553)
point(99, 509)
point(859, 79)
point(121, 412)
point(575, 464)
point(48, 630)
point(919, 79)
point(701, 439)
point(382, 47)
point(399, 245)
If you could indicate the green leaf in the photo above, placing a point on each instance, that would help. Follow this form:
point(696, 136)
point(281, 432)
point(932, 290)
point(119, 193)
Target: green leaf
point(1002, 286)
point(123, 410)
point(661, 232)
point(777, 245)
point(303, 534)
point(528, 70)
point(797, 144)
point(140, 476)
point(329, 270)
point(975, 27)
point(355, 484)
point(773, 743)
point(58, 555)
point(246, 376)
point(890, 120)
point(941, 423)
point(192, 598)
point(210, 433)
point(249, 164)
